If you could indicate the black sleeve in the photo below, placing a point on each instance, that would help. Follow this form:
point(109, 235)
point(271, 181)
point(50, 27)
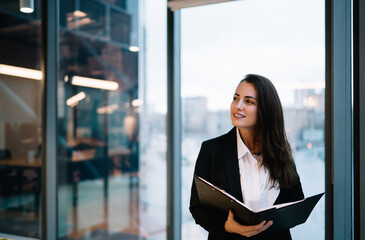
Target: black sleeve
point(209, 218)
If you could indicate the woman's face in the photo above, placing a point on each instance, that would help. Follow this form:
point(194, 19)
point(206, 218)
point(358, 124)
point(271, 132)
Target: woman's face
point(244, 106)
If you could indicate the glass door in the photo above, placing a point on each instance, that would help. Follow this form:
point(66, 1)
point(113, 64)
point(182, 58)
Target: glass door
point(282, 40)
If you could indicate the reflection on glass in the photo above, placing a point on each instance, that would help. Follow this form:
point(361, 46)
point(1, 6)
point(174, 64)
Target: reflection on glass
point(98, 146)
point(20, 120)
point(287, 46)
point(103, 147)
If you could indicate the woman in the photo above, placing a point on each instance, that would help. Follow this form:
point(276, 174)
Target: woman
point(252, 162)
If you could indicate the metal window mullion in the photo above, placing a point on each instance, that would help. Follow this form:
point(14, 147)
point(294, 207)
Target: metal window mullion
point(49, 63)
point(328, 124)
point(359, 117)
point(173, 127)
point(342, 119)
point(361, 120)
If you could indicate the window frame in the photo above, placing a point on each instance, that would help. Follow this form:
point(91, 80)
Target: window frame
point(173, 126)
point(49, 66)
point(339, 140)
point(359, 117)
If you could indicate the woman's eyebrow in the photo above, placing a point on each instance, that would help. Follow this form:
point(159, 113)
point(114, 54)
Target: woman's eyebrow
point(250, 97)
point(237, 94)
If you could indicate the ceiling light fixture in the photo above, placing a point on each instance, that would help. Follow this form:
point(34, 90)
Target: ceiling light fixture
point(137, 102)
point(134, 49)
point(107, 109)
point(134, 42)
point(94, 83)
point(21, 72)
point(26, 6)
point(74, 100)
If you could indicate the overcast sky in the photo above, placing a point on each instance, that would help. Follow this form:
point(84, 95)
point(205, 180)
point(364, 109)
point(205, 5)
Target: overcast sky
point(280, 39)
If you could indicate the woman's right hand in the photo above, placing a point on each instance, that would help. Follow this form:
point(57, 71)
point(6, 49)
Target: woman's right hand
point(232, 226)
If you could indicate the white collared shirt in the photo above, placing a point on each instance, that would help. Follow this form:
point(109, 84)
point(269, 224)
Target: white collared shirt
point(255, 179)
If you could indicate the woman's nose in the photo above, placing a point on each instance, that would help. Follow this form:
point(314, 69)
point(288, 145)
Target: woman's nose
point(240, 105)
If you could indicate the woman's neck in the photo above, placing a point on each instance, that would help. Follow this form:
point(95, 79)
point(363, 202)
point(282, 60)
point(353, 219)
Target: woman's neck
point(250, 139)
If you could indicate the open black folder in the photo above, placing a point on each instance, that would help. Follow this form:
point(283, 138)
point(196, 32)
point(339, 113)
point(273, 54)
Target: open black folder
point(284, 216)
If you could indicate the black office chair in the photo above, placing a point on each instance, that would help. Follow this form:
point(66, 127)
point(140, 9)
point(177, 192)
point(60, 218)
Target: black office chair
point(9, 179)
point(5, 154)
point(15, 182)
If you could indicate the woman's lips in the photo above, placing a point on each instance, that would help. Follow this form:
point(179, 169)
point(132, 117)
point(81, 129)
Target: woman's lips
point(237, 115)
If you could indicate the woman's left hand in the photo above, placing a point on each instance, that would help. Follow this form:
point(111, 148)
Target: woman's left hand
point(232, 226)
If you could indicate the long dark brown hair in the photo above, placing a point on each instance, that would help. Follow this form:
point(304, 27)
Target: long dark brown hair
point(274, 147)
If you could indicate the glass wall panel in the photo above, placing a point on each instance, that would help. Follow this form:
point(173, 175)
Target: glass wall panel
point(20, 120)
point(111, 141)
point(282, 40)
point(153, 142)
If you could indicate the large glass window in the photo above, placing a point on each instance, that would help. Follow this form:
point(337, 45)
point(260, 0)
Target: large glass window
point(20, 119)
point(153, 142)
point(282, 40)
point(111, 133)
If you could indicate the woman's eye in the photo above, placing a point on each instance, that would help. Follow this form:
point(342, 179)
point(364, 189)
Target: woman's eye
point(234, 98)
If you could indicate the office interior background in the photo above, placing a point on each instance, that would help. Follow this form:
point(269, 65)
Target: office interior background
point(104, 105)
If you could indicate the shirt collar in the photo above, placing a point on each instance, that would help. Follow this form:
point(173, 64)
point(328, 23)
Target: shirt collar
point(241, 147)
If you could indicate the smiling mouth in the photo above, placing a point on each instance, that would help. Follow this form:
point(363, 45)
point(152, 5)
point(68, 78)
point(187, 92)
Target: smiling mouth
point(239, 115)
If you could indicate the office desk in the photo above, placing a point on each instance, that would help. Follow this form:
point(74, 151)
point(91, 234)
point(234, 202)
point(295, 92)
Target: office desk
point(83, 155)
point(87, 141)
point(36, 162)
point(22, 162)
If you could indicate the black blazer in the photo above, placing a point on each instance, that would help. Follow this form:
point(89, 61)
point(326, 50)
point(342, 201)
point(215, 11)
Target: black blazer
point(218, 163)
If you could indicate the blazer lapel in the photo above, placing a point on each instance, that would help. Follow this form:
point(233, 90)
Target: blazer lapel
point(231, 163)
